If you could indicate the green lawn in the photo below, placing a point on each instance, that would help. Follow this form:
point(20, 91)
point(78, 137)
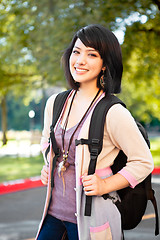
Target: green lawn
point(12, 168)
point(20, 167)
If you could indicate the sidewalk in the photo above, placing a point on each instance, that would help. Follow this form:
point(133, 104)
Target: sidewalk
point(21, 211)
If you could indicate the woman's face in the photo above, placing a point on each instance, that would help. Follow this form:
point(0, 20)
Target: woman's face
point(85, 63)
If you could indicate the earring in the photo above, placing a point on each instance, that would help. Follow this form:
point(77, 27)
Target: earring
point(102, 83)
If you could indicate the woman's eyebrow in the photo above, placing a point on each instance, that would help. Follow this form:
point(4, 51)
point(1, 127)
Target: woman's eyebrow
point(76, 47)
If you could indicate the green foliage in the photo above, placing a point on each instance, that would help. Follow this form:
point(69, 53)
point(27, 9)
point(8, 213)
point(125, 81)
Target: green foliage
point(155, 150)
point(17, 70)
point(18, 114)
point(34, 34)
point(141, 77)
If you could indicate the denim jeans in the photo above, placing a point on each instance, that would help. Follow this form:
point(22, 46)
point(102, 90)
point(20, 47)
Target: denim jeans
point(53, 229)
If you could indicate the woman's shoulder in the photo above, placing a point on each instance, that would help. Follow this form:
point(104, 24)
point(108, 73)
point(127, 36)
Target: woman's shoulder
point(51, 99)
point(118, 110)
point(50, 102)
point(120, 124)
point(119, 115)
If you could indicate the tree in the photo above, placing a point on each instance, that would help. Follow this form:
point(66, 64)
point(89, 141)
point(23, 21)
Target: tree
point(33, 35)
point(16, 64)
point(141, 49)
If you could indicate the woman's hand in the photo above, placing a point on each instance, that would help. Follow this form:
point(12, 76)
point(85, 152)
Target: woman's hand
point(93, 185)
point(44, 175)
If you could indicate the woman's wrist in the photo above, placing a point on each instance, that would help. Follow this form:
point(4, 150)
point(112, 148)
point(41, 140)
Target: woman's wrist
point(114, 183)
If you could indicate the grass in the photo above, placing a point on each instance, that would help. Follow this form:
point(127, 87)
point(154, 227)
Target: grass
point(12, 168)
point(20, 167)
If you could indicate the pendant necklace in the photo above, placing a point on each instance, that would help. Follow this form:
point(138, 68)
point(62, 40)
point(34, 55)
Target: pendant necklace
point(63, 165)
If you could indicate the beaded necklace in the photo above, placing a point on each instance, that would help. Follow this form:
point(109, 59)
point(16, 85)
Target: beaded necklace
point(64, 164)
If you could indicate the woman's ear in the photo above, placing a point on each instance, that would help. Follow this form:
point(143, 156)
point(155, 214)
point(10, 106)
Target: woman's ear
point(104, 68)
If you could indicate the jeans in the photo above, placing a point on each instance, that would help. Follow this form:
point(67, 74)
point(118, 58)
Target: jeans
point(53, 229)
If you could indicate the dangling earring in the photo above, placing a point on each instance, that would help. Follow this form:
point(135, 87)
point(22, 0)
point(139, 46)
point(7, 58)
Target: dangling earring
point(102, 83)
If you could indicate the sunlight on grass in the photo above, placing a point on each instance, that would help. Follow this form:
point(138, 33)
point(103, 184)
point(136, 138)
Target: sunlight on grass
point(24, 167)
point(21, 167)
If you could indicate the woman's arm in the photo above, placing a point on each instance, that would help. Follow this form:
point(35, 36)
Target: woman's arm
point(47, 123)
point(125, 136)
point(45, 137)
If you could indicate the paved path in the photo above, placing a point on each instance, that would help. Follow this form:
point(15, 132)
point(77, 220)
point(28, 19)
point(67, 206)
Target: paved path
point(20, 214)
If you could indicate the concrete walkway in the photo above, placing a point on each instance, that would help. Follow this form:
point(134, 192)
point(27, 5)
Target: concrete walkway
point(20, 214)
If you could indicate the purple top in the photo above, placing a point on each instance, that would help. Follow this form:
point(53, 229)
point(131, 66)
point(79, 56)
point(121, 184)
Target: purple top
point(63, 205)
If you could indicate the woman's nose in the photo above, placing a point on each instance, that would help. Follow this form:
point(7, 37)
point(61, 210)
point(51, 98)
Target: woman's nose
point(81, 60)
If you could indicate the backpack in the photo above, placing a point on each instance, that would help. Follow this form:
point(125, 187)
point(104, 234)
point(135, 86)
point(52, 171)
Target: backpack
point(133, 200)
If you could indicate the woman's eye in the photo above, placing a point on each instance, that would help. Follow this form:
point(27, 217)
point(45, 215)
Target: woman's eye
point(92, 55)
point(75, 51)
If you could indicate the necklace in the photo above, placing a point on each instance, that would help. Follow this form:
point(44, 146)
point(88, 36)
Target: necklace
point(64, 164)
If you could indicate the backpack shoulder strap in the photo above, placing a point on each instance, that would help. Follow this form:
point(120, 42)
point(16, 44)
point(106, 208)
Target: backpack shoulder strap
point(151, 196)
point(57, 108)
point(98, 120)
point(58, 105)
point(96, 136)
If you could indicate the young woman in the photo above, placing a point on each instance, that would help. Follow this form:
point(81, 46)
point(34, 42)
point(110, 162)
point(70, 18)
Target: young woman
point(93, 68)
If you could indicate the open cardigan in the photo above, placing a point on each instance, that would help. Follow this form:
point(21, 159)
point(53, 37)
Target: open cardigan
point(120, 133)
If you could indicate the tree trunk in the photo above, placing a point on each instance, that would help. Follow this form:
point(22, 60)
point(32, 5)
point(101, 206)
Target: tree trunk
point(4, 119)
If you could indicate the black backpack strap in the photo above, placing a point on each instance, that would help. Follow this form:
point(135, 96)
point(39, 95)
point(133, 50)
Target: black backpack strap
point(96, 136)
point(151, 197)
point(58, 105)
point(57, 108)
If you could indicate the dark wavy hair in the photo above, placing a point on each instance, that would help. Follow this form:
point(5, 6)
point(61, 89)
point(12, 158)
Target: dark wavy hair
point(106, 43)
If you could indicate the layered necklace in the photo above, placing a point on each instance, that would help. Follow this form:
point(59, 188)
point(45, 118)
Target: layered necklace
point(64, 164)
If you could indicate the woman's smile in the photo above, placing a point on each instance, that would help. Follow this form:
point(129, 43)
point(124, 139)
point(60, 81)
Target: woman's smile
point(80, 70)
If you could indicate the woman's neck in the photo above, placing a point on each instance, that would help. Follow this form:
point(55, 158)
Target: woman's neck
point(87, 91)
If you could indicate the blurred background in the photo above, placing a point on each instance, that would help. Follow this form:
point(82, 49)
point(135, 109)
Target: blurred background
point(33, 36)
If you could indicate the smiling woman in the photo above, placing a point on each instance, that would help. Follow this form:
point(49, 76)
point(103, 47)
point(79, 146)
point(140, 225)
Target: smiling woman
point(105, 45)
point(93, 69)
point(85, 64)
